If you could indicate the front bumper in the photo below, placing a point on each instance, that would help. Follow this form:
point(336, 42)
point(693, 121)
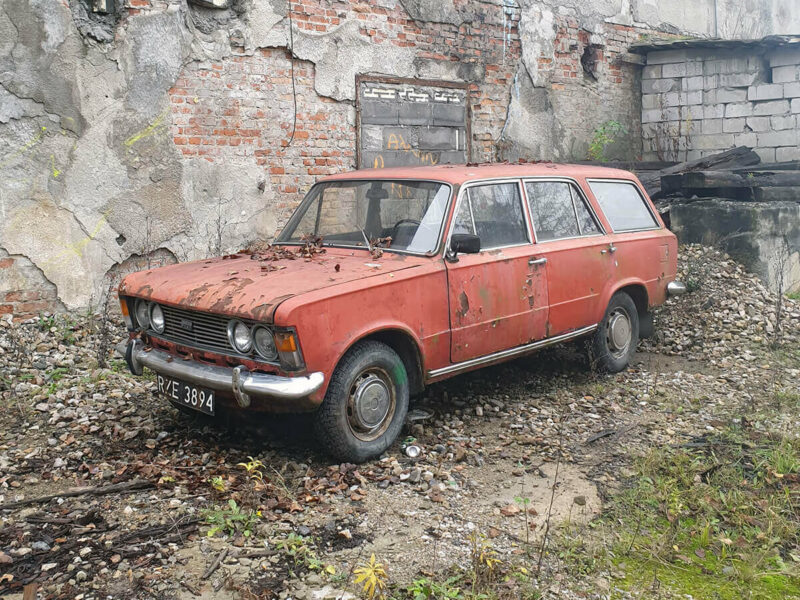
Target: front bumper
point(239, 382)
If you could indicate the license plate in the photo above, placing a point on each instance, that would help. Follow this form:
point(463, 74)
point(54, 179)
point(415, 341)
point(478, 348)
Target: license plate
point(186, 394)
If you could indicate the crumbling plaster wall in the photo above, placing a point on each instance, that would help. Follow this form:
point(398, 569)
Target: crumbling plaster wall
point(167, 130)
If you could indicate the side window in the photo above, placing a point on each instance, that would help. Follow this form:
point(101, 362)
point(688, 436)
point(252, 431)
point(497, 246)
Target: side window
point(551, 210)
point(586, 222)
point(462, 222)
point(558, 211)
point(623, 205)
point(494, 213)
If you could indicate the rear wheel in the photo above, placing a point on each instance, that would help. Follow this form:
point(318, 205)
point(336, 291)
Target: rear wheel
point(614, 342)
point(365, 405)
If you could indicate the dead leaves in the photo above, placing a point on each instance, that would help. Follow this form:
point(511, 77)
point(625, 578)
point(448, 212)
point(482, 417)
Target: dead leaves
point(338, 479)
point(377, 244)
point(262, 251)
point(312, 244)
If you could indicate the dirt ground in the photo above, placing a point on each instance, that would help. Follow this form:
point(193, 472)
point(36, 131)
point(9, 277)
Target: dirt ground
point(521, 463)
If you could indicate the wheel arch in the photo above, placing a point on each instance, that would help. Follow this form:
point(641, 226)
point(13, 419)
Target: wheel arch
point(641, 299)
point(407, 347)
point(638, 293)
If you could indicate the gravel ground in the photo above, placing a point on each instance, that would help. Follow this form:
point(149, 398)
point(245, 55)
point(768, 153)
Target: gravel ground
point(493, 444)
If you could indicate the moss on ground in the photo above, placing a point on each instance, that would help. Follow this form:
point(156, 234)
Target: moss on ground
point(717, 518)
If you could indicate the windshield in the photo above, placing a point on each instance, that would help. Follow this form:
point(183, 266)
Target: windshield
point(352, 213)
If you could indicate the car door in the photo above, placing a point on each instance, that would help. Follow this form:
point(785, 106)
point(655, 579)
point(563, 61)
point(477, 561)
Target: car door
point(498, 296)
point(641, 245)
point(571, 239)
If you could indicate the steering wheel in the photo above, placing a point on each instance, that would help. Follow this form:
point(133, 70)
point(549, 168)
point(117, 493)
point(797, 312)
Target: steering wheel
point(400, 222)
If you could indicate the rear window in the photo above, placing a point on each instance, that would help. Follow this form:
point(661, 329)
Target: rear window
point(623, 205)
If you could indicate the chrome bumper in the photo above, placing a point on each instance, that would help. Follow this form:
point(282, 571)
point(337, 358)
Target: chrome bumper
point(676, 288)
point(239, 381)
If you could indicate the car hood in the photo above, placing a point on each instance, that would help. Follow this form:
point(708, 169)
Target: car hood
point(244, 286)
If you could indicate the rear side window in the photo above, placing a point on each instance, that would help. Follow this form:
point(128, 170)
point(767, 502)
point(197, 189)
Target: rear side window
point(493, 212)
point(558, 211)
point(623, 205)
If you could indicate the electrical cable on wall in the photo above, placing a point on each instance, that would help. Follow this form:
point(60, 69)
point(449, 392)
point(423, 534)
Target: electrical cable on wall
point(294, 89)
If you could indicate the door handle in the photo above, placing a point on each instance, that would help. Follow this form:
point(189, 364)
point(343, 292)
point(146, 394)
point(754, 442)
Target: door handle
point(537, 261)
point(611, 248)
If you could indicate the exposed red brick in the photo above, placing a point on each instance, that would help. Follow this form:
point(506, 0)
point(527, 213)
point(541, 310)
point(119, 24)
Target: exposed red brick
point(33, 307)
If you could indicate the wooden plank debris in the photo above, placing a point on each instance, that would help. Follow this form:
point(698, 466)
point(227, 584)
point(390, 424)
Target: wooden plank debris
point(729, 179)
point(741, 156)
point(127, 486)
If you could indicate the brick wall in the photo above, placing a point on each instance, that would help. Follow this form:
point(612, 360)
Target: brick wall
point(24, 292)
point(697, 102)
point(582, 102)
point(241, 108)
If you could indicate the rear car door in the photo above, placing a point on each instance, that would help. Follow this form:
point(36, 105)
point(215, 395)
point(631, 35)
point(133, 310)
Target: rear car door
point(570, 237)
point(498, 296)
point(639, 243)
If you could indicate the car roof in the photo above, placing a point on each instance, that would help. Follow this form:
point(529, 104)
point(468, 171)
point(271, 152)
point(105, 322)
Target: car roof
point(463, 173)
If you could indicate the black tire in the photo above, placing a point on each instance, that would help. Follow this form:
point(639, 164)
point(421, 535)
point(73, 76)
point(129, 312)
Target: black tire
point(620, 323)
point(371, 375)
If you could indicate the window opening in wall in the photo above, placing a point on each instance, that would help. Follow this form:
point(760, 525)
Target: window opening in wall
point(410, 122)
point(589, 59)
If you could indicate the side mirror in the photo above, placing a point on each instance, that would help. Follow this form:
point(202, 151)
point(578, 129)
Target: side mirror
point(465, 243)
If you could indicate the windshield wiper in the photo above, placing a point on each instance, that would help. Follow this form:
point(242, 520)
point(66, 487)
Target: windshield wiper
point(366, 239)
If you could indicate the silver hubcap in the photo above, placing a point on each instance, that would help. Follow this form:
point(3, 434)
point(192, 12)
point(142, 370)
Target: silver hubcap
point(618, 332)
point(370, 405)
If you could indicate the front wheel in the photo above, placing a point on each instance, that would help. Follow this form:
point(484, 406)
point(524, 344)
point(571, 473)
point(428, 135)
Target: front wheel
point(365, 405)
point(614, 342)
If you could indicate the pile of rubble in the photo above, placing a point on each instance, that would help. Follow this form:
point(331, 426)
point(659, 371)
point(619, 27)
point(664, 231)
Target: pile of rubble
point(730, 311)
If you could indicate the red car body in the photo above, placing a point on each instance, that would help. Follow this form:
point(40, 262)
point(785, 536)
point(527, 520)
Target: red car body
point(441, 314)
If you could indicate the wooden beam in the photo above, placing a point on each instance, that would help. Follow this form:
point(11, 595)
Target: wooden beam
point(741, 156)
point(729, 179)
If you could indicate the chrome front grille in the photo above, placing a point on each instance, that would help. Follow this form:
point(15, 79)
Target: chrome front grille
point(196, 329)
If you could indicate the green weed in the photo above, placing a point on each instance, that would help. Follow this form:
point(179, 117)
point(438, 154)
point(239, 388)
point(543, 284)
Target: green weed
point(231, 520)
point(428, 589)
point(603, 135)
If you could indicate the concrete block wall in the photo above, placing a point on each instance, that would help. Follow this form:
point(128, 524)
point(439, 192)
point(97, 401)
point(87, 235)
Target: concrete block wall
point(697, 102)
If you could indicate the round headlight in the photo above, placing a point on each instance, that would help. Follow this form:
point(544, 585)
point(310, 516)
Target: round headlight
point(156, 318)
point(264, 343)
point(142, 314)
point(239, 337)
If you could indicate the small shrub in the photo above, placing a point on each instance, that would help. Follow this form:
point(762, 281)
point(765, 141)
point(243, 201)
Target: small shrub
point(428, 589)
point(603, 135)
point(231, 520)
point(372, 575)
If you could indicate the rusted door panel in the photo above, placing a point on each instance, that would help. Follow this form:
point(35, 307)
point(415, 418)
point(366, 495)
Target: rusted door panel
point(649, 257)
point(497, 301)
point(578, 273)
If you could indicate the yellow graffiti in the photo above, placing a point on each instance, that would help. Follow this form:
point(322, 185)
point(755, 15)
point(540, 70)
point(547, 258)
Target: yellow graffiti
point(398, 190)
point(397, 142)
point(151, 129)
point(378, 162)
point(79, 247)
point(394, 142)
point(53, 168)
point(24, 149)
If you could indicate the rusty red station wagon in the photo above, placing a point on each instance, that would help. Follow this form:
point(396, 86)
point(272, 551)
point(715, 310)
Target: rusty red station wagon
point(384, 281)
